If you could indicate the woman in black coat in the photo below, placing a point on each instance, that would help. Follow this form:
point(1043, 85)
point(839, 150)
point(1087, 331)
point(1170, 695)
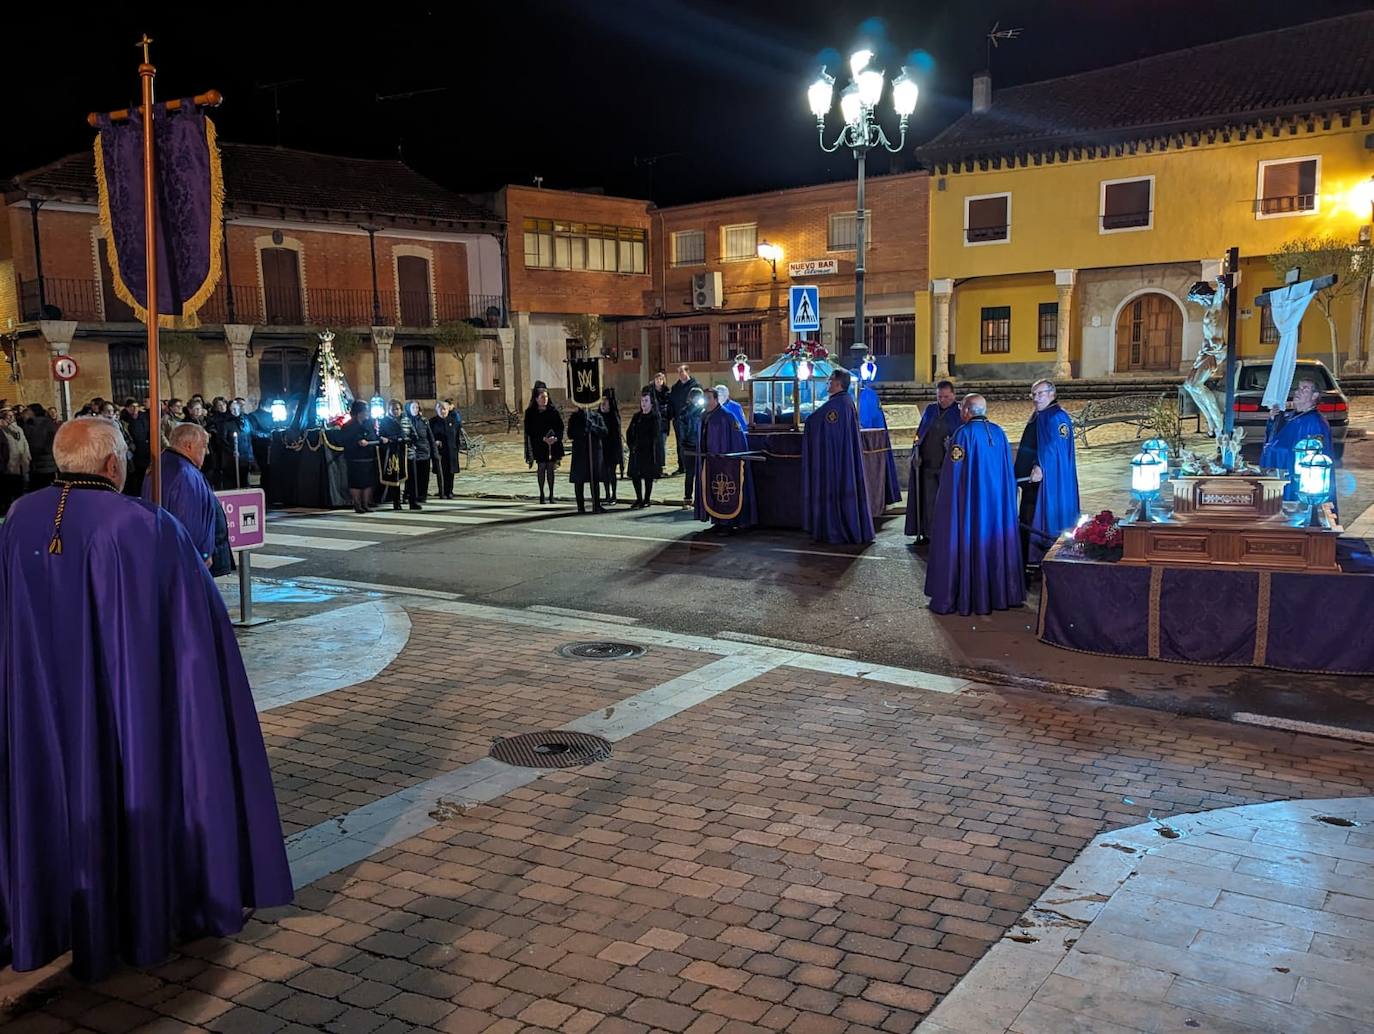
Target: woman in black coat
point(644, 439)
point(586, 435)
point(612, 446)
point(424, 454)
point(444, 426)
point(543, 439)
point(359, 439)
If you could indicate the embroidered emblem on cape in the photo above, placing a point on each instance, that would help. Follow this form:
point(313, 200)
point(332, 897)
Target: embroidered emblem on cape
point(831, 417)
point(1063, 430)
point(956, 453)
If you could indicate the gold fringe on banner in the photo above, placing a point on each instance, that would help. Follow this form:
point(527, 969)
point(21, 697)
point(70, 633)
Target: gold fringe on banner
point(188, 319)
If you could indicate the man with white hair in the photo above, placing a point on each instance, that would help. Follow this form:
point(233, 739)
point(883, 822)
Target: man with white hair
point(732, 407)
point(186, 494)
point(136, 804)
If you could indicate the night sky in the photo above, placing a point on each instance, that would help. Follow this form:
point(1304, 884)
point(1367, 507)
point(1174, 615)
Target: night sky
point(666, 99)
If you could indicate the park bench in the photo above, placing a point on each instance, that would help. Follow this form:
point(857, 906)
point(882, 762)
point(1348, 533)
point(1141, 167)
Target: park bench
point(474, 446)
point(1118, 409)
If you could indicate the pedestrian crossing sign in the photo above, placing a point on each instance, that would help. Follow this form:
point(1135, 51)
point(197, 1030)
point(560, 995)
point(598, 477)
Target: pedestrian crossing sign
point(805, 307)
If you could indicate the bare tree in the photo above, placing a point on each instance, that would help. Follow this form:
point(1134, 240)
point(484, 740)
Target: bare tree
point(175, 351)
point(461, 339)
point(1351, 262)
point(586, 329)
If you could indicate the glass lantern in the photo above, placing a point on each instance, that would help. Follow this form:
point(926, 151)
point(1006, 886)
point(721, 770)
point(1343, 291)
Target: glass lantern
point(1146, 472)
point(1314, 476)
point(376, 408)
point(278, 411)
point(1159, 449)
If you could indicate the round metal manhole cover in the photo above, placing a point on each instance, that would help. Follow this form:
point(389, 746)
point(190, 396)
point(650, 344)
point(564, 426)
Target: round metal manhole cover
point(556, 749)
point(601, 651)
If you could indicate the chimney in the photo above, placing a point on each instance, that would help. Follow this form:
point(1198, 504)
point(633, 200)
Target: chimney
point(982, 91)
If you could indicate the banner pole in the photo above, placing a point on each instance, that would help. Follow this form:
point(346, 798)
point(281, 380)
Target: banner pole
point(147, 73)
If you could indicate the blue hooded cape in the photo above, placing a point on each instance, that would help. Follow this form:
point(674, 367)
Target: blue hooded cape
point(188, 497)
point(975, 562)
point(834, 490)
point(1056, 505)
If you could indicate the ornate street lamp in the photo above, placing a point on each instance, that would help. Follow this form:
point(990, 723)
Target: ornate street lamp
point(770, 253)
point(741, 368)
point(861, 133)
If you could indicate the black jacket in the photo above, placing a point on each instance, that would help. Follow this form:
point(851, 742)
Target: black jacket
point(40, 431)
point(586, 433)
point(663, 399)
point(645, 445)
point(538, 426)
point(679, 393)
point(423, 449)
point(612, 446)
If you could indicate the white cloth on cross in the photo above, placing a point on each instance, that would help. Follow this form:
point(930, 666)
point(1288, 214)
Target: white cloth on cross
point(1286, 306)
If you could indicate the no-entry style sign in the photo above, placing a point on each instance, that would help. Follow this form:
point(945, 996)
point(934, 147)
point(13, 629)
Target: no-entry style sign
point(64, 367)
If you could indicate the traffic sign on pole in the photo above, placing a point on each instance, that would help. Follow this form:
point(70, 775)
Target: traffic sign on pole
point(64, 368)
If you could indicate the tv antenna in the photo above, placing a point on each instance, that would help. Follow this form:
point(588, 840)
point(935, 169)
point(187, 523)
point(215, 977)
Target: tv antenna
point(997, 33)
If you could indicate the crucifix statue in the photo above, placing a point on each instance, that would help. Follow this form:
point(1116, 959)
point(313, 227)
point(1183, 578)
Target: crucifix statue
point(1211, 357)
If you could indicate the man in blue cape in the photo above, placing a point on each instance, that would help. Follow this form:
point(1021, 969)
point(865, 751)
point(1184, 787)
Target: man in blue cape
point(724, 487)
point(136, 804)
point(732, 407)
point(834, 490)
point(186, 495)
point(938, 423)
point(975, 551)
point(1047, 474)
point(872, 418)
point(1286, 429)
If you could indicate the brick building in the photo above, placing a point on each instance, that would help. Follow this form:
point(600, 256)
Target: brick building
point(369, 247)
point(701, 294)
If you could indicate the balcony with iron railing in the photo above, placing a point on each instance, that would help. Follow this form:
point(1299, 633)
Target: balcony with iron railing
point(81, 300)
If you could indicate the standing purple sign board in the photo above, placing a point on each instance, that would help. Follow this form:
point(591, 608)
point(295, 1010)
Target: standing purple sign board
point(246, 511)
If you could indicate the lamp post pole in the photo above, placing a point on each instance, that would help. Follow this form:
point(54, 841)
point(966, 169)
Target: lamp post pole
point(861, 133)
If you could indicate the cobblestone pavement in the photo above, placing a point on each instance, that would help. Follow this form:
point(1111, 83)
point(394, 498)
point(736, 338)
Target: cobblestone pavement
point(779, 842)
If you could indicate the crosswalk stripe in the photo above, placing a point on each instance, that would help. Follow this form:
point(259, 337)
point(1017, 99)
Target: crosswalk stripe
point(266, 561)
point(344, 524)
point(308, 542)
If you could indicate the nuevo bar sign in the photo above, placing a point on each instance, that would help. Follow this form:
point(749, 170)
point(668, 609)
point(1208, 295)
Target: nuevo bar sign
point(813, 267)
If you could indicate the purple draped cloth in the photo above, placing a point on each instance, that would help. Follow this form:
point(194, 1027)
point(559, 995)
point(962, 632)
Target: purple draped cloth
point(136, 803)
point(190, 198)
point(835, 505)
point(975, 544)
point(1209, 615)
point(725, 484)
point(187, 496)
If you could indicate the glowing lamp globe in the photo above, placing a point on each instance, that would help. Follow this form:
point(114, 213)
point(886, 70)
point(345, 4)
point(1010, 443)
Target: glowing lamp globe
point(904, 93)
point(803, 369)
point(1314, 478)
point(851, 105)
point(322, 408)
point(741, 368)
point(278, 411)
point(820, 94)
point(376, 408)
point(871, 84)
point(1159, 449)
point(1305, 448)
point(1146, 471)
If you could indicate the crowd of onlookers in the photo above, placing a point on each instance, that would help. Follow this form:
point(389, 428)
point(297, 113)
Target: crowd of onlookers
point(27, 432)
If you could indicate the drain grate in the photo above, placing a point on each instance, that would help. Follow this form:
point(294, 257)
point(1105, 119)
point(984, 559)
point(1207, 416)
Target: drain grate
point(557, 748)
point(601, 651)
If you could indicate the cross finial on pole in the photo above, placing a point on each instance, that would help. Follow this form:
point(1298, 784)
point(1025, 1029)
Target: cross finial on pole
point(145, 42)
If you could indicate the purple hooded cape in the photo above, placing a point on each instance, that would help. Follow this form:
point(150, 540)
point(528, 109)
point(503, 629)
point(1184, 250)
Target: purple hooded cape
point(834, 491)
point(872, 418)
point(1056, 504)
point(136, 803)
point(975, 545)
point(187, 496)
point(725, 488)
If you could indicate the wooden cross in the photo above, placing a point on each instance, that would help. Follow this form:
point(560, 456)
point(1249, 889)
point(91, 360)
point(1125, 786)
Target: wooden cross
point(1318, 284)
point(144, 43)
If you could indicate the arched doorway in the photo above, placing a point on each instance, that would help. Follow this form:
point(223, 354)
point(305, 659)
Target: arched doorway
point(283, 371)
point(1149, 334)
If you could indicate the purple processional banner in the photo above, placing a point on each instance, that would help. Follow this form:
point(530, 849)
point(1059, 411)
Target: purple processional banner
point(189, 190)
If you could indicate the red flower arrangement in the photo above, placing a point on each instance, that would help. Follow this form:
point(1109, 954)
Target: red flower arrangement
point(812, 350)
point(1100, 537)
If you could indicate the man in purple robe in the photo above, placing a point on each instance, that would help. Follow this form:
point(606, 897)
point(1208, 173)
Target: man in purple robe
point(834, 490)
point(1048, 475)
point(938, 423)
point(136, 804)
point(725, 489)
point(975, 544)
point(186, 495)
